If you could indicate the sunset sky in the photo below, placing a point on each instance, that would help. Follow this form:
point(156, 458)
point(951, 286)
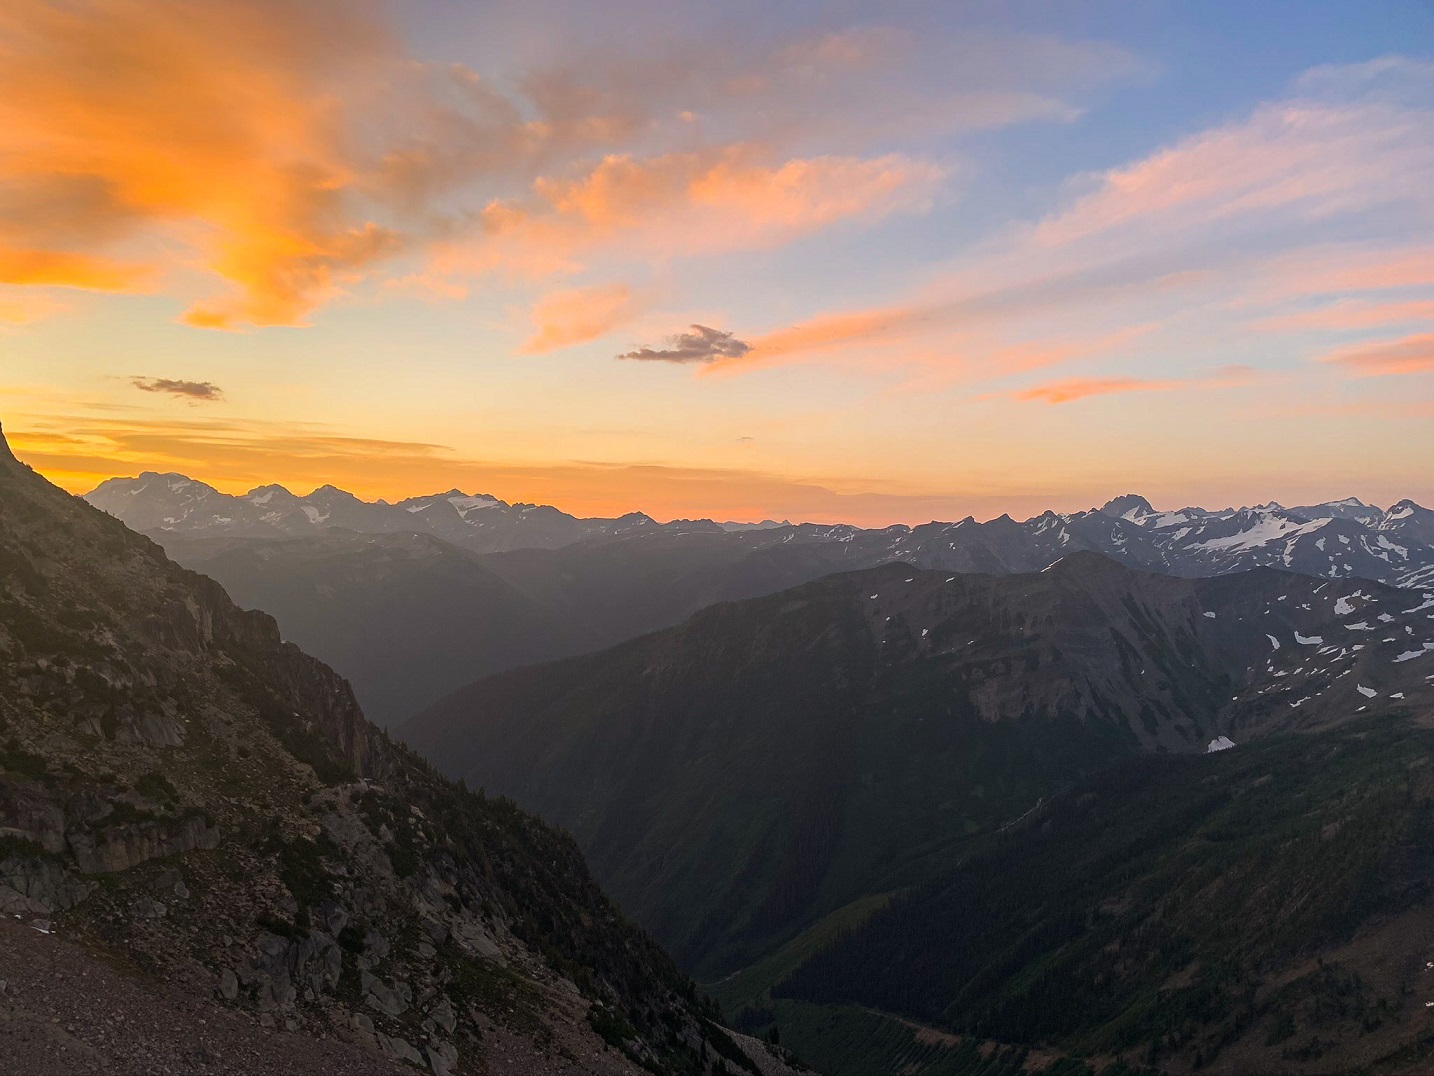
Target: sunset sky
point(870, 262)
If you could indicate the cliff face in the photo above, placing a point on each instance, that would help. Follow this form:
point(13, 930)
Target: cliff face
point(198, 799)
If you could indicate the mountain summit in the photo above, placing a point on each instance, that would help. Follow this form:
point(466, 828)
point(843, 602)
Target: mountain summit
point(1129, 506)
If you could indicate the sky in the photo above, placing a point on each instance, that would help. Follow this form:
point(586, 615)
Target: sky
point(825, 261)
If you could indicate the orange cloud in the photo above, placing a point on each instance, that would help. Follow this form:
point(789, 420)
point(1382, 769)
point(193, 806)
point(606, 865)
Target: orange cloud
point(57, 267)
point(141, 129)
point(566, 318)
point(938, 339)
point(1079, 388)
point(687, 204)
point(1411, 355)
point(829, 332)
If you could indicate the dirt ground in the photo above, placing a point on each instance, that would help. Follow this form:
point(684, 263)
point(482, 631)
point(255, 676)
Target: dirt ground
point(64, 1012)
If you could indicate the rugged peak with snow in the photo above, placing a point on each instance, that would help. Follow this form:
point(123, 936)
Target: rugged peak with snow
point(164, 505)
point(1131, 506)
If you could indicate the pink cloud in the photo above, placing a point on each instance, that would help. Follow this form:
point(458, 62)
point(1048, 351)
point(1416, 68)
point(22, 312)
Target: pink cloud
point(1411, 355)
point(1350, 314)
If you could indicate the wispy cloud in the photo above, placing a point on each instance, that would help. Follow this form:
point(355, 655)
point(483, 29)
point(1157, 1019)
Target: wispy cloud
point(1351, 313)
point(189, 390)
point(1409, 355)
point(1080, 388)
point(700, 345)
point(578, 315)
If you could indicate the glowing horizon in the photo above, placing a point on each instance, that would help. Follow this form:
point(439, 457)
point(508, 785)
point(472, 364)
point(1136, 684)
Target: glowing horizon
point(871, 266)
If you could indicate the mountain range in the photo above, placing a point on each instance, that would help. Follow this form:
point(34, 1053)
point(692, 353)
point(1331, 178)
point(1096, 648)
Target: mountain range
point(175, 504)
point(409, 606)
point(1337, 538)
point(187, 800)
point(863, 772)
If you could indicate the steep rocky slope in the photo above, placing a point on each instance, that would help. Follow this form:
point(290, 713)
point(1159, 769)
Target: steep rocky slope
point(191, 799)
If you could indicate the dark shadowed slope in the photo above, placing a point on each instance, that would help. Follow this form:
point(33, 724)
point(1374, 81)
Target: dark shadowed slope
point(1264, 909)
point(179, 789)
point(1015, 769)
point(738, 777)
point(409, 618)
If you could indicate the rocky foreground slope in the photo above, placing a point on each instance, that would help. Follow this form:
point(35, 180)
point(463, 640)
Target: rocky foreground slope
point(188, 799)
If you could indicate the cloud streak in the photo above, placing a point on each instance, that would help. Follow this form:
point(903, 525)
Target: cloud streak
point(1410, 355)
point(685, 205)
point(1068, 390)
